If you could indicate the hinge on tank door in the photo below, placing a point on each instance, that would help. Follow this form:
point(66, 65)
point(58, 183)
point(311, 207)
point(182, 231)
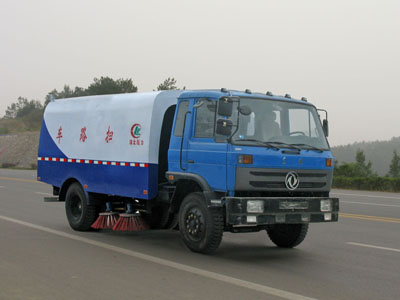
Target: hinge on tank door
point(165, 194)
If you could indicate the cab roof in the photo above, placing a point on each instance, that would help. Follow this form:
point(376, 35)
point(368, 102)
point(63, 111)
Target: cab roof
point(215, 94)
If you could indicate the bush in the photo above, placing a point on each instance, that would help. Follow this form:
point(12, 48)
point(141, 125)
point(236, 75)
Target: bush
point(3, 130)
point(8, 165)
point(375, 183)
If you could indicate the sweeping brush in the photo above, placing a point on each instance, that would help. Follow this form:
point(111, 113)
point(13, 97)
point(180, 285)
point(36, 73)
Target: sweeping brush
point(107, 219)
point(130, 221)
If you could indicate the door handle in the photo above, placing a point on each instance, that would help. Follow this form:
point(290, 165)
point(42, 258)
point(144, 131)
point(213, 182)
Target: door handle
point(191, 161)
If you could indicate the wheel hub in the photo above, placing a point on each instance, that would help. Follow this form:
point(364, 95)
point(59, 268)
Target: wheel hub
point(76, 207)
point(194, 224)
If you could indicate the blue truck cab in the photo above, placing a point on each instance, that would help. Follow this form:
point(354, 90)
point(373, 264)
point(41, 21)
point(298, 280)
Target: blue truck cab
point(220, 161)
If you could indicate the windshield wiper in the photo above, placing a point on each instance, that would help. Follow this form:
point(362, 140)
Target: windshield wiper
point(310, 146)
point(285, 145)
point(269, 145)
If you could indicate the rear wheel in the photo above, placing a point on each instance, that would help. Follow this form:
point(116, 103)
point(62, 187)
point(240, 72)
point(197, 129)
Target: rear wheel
point(80, 215)
point(201, 228)
point(287, 235)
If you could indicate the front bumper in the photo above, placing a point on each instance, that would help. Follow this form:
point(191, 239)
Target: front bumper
point(280, 210)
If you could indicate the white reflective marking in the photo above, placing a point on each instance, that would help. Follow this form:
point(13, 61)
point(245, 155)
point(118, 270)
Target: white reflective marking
point(142, 165)
point(132, 164)
point(164, 262)
point(113, 164)
point(46, 194)
point(69, 160)
point(375, 247)
point(62, 159)
point(216, 201)
point(39, 158)
point(363, 195)
point(96, 162)
point(46, 159)
point(104, 163)
point(367, 203)
point(54, 159)
point(86, 161)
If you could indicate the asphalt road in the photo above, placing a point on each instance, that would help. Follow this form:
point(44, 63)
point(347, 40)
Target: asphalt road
point(41, 257)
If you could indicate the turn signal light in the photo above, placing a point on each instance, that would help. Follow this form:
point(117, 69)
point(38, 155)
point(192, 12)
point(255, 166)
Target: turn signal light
point(328, 162)
point(245, 159)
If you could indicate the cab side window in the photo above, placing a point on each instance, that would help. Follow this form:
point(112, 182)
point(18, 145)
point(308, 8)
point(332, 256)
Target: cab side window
point(180, 117)
point(205, 119)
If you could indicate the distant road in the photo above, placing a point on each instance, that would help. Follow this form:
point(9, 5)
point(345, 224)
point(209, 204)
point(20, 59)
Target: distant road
point(41, 257)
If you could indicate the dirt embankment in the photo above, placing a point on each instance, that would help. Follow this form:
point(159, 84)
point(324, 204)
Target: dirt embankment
point(19, 150)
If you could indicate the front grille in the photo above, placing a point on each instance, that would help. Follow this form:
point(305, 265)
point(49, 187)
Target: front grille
point(253, 179)
point(281, 174)
point(271, 184)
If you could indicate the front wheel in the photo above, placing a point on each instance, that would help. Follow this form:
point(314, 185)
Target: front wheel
point(287, 235)
point(201, 228)
point(80, 215)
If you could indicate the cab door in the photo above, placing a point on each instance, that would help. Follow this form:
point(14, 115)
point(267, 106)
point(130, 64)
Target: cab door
point(205, 156)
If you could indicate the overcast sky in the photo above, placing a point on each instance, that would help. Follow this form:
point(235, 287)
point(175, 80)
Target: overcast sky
point(343, 56)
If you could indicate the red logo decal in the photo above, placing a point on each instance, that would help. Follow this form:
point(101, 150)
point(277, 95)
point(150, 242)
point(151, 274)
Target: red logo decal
point(135, 131)
point(59, 135)
point(109, 135)
point(83, 134)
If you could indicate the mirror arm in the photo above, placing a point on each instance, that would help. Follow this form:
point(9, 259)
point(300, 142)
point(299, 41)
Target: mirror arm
point(229, 139)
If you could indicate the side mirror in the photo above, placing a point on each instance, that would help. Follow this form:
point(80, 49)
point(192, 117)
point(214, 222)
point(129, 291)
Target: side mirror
point(224, 127)
point(325, 127)
point(225, 106)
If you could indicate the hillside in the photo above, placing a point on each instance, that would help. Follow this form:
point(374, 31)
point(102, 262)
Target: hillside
point(19, 150)
point(380, 153)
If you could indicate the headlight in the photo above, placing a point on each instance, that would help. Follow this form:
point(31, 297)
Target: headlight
point(326, 205)
point(255, 206)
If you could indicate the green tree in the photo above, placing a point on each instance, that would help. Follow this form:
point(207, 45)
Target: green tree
point(66, 92)
point(356, 169)
point(100, 86)
point(363, 169)
point(168, 84)
point(394, 169)
point(107, 85)
point(22, 108)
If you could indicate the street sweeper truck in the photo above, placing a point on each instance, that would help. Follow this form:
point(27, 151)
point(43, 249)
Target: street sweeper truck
point(203, 162)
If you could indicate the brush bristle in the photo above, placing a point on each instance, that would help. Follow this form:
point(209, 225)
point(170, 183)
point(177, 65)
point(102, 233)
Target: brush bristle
point(130, 222)
point(106, 220)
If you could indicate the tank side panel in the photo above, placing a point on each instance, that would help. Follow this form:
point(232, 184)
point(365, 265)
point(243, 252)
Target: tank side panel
point(120, 166)
point(99, 127)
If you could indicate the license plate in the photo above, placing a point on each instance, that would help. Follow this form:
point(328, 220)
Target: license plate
point(293, 205)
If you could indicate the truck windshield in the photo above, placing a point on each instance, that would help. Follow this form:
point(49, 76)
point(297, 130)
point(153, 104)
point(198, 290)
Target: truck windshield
point(280, 124)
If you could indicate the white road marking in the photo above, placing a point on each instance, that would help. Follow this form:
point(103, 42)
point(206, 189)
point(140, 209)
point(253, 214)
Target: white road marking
point(372, 246)
point(363, 195)
point(181, 267)
point(367, 203)
point(46, 194)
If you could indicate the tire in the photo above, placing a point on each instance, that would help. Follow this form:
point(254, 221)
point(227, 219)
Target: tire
point(80, 215)
point(287, 235)
point(201, 228)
